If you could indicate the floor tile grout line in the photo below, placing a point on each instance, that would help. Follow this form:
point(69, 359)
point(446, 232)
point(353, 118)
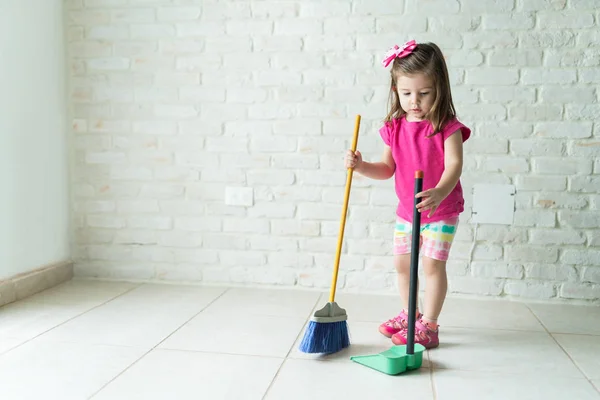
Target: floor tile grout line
point(292, 347)
point(71, 319)
point(573, 361)
point(431, 376)
point(222, 353)
point(562, 348)
point(274, 378)
point(575, 334)
point(502, 372)
point(156, 345)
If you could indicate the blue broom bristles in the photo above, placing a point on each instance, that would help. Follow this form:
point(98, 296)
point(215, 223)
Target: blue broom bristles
point(325, 337)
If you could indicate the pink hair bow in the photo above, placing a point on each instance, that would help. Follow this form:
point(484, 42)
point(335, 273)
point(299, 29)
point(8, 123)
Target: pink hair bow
point(398, 52)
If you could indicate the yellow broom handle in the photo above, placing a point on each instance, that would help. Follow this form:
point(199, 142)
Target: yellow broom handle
point(343, 219)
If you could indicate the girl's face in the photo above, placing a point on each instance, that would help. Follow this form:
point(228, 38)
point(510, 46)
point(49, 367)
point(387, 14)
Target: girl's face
point(417, 94)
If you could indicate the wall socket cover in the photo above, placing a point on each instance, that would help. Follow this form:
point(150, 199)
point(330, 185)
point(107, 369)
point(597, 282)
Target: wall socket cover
point(493, 204)
point(239, 196)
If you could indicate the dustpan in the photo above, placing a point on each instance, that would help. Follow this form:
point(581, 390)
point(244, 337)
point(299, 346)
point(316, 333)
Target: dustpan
point(393, 361)
point(399, 359)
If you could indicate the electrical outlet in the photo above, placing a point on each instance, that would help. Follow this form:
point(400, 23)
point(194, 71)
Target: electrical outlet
point(493, 204)
point(239, 196)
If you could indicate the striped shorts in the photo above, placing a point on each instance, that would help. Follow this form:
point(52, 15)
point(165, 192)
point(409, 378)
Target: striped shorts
point(436, 238)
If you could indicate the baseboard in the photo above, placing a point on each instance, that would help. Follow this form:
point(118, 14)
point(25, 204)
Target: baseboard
point(24, 285)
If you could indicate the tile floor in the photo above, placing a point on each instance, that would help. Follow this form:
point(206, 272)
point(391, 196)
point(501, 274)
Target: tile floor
point(111, 340)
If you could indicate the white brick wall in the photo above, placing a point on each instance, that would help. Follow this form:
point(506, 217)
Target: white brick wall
point(175, 101)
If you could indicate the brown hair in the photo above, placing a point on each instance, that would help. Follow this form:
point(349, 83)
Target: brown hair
point(426, 58)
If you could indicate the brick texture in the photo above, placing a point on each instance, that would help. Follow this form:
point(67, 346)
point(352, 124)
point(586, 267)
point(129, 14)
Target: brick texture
point(174, 102)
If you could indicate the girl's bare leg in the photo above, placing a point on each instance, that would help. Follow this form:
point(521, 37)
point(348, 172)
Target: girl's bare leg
point(402, 264)
point(435, 292)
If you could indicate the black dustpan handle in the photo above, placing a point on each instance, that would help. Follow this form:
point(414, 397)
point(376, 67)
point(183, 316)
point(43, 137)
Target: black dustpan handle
point(414, 266)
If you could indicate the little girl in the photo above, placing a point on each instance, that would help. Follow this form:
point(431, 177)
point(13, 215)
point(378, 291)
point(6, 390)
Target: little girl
point(421, 132)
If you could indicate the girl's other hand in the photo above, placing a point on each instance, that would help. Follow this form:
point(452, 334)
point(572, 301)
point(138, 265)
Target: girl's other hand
point(432, 199)
point(353, 160)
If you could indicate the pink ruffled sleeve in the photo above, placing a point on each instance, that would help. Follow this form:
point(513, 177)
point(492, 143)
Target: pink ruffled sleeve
point(453, 126)
point(386, 132)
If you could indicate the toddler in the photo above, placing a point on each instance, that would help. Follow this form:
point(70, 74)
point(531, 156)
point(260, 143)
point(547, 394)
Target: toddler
point(420, 132)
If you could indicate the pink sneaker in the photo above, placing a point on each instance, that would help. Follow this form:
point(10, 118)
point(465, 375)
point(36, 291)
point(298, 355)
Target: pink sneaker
point(396, 324)
point(423, 335)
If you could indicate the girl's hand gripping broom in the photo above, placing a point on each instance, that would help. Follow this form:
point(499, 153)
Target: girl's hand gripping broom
point(327, 332)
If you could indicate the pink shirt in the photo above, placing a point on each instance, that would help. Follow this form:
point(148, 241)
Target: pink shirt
point(412, 150)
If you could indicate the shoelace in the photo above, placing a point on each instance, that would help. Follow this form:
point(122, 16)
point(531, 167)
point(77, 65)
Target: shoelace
point(397, 323)
point(421, 335)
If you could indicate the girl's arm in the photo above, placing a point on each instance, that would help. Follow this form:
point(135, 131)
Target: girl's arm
point(377, 170)
point(453, 163)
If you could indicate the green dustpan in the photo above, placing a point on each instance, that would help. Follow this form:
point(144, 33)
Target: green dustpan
point(401, 358)
point(393, 361)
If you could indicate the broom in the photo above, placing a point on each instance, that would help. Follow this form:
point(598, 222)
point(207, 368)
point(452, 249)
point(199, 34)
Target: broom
point(327, 331)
